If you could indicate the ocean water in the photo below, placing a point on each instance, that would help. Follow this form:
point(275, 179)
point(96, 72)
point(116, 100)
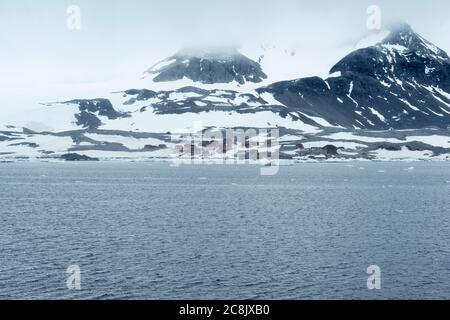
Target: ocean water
point(152, 231)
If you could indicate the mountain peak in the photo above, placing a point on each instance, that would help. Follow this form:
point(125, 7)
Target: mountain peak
point(208, 66)
point(401, 34)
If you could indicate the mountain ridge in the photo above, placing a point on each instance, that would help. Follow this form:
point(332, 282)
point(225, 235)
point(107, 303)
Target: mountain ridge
point(401, 83)
point(208, 67)
point(376, 87)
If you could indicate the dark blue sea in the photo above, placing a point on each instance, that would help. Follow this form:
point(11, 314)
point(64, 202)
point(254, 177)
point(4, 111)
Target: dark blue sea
point(154, 231)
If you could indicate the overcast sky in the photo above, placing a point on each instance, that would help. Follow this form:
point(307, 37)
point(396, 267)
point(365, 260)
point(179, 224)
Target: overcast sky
point(121, 38)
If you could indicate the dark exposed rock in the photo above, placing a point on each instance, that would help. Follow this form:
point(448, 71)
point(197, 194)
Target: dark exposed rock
point(101, 106)
point(331, 150)
point(141, 95)
point(209, 67)
point(88, 120)
point(150, 147)
point(417, 146)
point(27, 144)
point(389, 147)
point(91, 109)
point(46, 152)
point(77, 157)
point(402, 82)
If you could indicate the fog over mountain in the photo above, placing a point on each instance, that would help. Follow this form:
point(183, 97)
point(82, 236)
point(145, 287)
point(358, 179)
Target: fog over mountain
point(390, 94)
point(117, 38)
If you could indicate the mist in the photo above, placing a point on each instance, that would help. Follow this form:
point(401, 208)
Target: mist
point(42, 59)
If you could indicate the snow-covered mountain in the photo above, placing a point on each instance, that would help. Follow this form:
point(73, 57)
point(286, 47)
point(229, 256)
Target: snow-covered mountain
point(208, 67)
point(400, 82)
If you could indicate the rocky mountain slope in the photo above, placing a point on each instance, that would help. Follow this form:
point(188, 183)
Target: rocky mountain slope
point(208, 67)
point(402, 82)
